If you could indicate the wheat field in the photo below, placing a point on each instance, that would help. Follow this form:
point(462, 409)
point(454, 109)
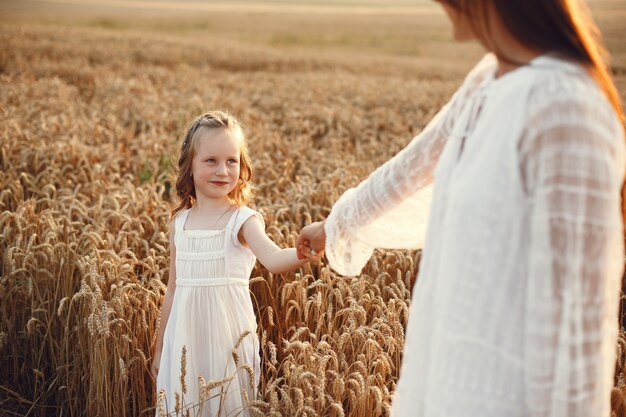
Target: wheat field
point(93, 104)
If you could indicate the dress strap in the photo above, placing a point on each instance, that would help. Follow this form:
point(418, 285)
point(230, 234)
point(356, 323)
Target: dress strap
point(232, 219)
point(238, 219)
point(179, 223)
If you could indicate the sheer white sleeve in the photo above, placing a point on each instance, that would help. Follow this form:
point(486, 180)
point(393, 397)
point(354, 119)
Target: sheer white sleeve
point(573, 164)
point(390, 208)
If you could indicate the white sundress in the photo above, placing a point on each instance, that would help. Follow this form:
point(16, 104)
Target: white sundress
point(211, 309)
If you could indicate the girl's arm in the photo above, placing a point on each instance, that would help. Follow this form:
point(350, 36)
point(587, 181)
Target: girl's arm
point(275, 259)
point(167, 304)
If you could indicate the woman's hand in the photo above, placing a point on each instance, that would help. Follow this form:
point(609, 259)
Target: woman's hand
point(311, 241)
point(154, 367)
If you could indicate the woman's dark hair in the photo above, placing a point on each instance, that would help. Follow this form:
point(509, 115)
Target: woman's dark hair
point(562, 26)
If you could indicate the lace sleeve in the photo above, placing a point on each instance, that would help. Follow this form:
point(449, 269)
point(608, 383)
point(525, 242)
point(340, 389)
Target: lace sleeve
point(390, 208)
point(573, 164)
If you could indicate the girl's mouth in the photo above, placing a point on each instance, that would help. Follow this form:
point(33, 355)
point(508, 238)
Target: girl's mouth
point(219, 183)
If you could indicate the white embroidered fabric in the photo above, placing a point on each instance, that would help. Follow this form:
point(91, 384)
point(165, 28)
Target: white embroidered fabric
point(514, 310)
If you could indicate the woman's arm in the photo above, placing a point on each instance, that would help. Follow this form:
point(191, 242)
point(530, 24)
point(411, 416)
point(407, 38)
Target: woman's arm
point(275, 259)
point(167, 304)
point(364, 217)
point(390, 208)
point(387, 210)
point(573, 165)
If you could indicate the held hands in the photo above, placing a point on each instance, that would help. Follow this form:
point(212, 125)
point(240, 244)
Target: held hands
point(311, 242)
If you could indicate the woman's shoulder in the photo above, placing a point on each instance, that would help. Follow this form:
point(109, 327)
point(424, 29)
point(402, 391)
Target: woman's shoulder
point(564, 95)
point(487, 63)
point(484, 69)
point(558, 77)
point(563, 88)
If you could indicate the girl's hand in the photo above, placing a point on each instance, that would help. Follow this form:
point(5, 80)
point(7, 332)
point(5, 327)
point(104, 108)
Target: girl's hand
point(311, 242)
point(311, 255)
point(154, 368)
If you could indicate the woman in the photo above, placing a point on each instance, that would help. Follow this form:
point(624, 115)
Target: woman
point(515, 306)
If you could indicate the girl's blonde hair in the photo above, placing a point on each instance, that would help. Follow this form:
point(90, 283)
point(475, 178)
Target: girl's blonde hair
point(243, 191)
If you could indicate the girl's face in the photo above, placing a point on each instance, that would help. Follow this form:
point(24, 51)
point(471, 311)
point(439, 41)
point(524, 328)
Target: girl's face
point(460, 22)
point(215, 165)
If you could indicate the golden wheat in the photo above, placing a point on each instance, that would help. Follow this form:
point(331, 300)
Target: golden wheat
point(92, 121)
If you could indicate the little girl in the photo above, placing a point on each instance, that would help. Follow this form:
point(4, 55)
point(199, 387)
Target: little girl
point(214, 242)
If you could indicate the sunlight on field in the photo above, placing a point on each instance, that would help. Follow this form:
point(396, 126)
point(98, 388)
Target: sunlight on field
point(251, 7)
point(94, 100)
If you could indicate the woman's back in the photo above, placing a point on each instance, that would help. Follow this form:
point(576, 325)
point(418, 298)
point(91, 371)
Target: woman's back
point(525, 201)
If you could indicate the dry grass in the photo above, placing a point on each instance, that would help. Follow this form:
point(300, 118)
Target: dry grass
point(91, 121)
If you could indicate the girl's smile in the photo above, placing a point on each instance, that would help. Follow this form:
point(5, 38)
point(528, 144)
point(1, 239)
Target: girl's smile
point(215, 167)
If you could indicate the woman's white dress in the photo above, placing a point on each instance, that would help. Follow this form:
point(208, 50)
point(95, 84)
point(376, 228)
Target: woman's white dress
point(211, 309)
point(514, 312)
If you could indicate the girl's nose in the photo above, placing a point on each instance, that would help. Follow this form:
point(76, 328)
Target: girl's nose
point(221, 169)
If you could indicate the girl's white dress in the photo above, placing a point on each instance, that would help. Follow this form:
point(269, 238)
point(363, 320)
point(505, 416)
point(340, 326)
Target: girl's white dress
point(211, 309)
point(514, 312)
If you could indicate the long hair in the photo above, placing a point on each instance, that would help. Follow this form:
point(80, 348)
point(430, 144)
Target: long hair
point(562, 26)
point(243, 191)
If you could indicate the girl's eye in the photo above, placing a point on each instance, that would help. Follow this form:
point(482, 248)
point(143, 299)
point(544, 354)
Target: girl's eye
point(232, 161)
point(210, 161)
